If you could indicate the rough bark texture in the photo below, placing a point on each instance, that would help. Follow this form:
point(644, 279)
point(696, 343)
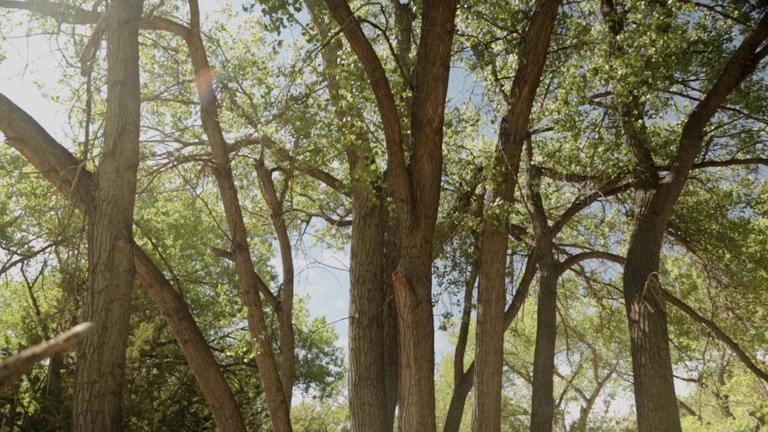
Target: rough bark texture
point(101, 358)
point(491, 293)
point(415, 187)
point(367, 384)
point(413, 277)
point(62, 169)
point(373, 362)
point(542, 401)
point(655, 198)
point(250, 282)
point(651, 362)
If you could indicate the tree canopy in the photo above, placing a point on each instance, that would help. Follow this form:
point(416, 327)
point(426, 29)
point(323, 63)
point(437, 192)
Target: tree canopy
point(551, 215)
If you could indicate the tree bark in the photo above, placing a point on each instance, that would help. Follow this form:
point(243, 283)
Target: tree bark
point(461, 389)
point(415, 188)
point(655, 198)
point(373, 361)
point(284, 310)
point(249, 281)
point(101, 358)
point(62, 169)
point(655, 398)
point(417, 217)
point(367, 381)
point(542, 402)
point(491, 293)
point(14, 367)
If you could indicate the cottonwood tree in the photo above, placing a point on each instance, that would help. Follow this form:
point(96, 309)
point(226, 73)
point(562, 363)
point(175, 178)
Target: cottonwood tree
point(655, 198)
point(415, 184)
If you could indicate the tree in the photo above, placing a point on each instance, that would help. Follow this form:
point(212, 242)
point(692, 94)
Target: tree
point(655, 197)
point(101, 358)
point(415, 191)
point(491, 301)
point(263, 134)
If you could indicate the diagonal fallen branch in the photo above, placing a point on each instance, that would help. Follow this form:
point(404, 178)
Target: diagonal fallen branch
point(12, 368)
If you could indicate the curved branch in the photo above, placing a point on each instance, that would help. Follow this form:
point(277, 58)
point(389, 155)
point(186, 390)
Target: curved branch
point(611, 188)
point(583, 256)
point(385, 100)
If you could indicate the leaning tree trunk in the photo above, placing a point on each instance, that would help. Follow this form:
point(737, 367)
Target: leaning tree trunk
point(249, 281)
point(65, 172)
point(101, 359)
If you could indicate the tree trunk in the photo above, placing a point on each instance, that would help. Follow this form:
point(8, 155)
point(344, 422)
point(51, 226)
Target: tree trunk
point(391, 335)
point(462, 381)
point(655, 398)
point(367, 382)
point(461, 390)
point(373, 339)
point(542, 401)
point(101, 359)
point(413, 293)
point(285, 307)
point(249, 281)
point(491, 294)
point(415, 188)
point(491, 300)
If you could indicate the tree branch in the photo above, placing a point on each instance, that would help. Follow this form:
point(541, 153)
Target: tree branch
point(77, 16)
point(13, 368)
point(716, 332)
point(385, 100)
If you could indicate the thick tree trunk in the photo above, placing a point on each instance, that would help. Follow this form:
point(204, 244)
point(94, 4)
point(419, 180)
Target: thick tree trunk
point(415, 188)
point(655, 199)
point(367, 382)
point(655, 398)
point(101, 359)
point(491, 300)
point(413, 293)
point(373, 338)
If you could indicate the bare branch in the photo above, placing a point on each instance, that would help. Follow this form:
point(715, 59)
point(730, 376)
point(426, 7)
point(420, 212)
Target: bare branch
point(13, 368)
